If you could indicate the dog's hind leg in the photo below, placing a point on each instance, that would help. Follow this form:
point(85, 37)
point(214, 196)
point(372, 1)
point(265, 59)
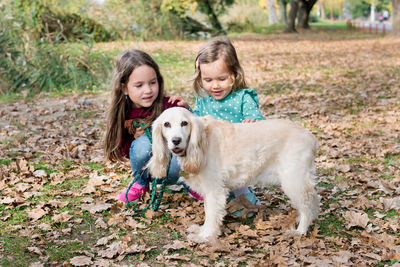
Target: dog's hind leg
point(297, 180)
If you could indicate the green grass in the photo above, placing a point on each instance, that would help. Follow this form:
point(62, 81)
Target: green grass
point(387, 263)
point(58, 250)
point(17, 216)
point(326, 185)
point(67, 164)
point(5, 161)
point(277, 88)
point(73, 184)
point(95, 166)
point(64, 252)
point(392, 160)
point(10, 97)
point(45, 167)
point(326, 24)
point(69, 184)
point(257, 29)
point(171, 63)
point(391, 214)
point(84, 114)
point(16, 249)
point(331, 225)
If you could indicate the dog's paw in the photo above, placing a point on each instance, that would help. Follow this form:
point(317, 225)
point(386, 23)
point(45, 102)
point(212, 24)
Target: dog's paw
point(197, 238)
point(194, 229)
point(294, 232)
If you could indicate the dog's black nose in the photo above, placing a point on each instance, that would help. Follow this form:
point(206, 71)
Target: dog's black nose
point(176, 140)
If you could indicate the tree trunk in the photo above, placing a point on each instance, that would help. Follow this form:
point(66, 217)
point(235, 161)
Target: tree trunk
point(322, 8)
point(272, 17)
point(302, 17)
point(304, 13)
point(282, 11)
point(396, 18)
point(291, 22)
point(213, 17)
point(193, 26)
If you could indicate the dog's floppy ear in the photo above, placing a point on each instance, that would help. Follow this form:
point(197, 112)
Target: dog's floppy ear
point(195, 151)
point(158, 163)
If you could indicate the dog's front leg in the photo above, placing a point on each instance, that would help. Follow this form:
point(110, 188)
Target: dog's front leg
point(214, 205)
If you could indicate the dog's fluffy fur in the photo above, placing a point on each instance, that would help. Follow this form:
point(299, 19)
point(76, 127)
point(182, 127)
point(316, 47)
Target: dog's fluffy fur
point(222, 156)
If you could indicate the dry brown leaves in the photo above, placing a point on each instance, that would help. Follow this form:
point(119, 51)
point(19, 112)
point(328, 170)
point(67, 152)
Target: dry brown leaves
point(345, 90)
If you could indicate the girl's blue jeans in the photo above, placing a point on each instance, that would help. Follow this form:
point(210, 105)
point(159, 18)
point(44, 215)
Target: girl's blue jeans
point(140, 153)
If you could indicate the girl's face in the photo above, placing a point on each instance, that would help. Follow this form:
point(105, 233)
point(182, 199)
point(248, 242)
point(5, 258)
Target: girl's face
point(142, 86)
point(216, 79)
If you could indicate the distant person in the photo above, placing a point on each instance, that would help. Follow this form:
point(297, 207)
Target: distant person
point(381, 18)
point(385, 15)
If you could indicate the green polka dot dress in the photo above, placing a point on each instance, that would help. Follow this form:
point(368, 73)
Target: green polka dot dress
point(237, 106)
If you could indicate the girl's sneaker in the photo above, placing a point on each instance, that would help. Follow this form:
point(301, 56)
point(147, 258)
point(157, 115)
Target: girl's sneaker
point(250, 196)
point(195, 195)
point(135, 192)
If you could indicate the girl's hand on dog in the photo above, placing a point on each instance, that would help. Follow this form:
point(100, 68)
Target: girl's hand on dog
point(249, 121)
point(181, 101)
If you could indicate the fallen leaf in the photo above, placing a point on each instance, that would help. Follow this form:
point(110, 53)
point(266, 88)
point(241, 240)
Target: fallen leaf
point(7, 200)
point(44, 226)
point(35, 250)
point(136, 249)
point(93, 208)
point(356, 219)
point(133, 224)
point(343, 168)
point(111, 252)
point(80, 261)
point(39, 173)
point(177, 244)
point(58, 204)
point(22, 187)
point(104, 240)
point(101, 223)
point(62, 217)
point(390, 203)
point(37, 213)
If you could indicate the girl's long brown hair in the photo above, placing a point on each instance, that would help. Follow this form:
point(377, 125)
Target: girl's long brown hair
point(121, 104)
point(219, 48)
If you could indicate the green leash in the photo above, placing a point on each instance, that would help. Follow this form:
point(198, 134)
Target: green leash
point(155, 200)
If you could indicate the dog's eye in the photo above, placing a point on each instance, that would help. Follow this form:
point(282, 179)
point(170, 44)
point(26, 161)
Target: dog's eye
point(184, 123)
point(167, 125)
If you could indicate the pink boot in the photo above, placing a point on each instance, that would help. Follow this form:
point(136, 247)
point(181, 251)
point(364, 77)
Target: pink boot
point(135, 192)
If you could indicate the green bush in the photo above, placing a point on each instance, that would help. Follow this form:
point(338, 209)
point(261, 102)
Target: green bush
point(313, 18)
point(140, 19)
point(245, 26)
point(56, 25)
point(244, 16)
point(35, 65)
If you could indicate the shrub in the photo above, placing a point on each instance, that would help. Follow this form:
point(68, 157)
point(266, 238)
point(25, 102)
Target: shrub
point(313, 18)
point(140, 19)
point(244, 16)
point(54, 25)
point(35, 65)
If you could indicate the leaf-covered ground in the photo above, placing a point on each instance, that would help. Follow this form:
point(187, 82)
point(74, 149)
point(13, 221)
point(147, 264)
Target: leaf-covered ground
point(58, 196)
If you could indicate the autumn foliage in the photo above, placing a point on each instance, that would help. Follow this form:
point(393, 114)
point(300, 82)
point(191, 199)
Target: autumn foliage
point(58, 203)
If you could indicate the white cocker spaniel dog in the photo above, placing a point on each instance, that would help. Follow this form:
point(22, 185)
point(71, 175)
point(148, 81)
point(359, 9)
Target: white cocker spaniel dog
point(220, 156)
